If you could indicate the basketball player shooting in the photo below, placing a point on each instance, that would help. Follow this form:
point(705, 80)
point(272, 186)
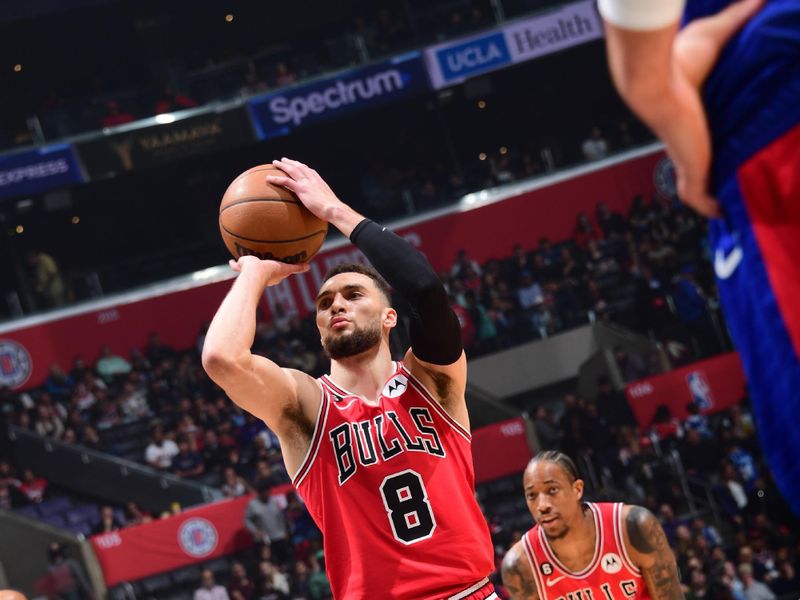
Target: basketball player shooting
point(379, 450)
point(722, 93)
point(582, 550)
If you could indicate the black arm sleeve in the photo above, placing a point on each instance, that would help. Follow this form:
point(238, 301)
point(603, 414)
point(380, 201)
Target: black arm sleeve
point(435, 330)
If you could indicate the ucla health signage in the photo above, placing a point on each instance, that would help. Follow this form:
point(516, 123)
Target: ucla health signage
point(453, 62)
point(280, 112)
point(39, 170)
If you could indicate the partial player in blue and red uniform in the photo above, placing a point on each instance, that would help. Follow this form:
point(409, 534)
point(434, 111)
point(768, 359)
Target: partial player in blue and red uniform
point(582, 550)
point(723, 93)
point(379, 450)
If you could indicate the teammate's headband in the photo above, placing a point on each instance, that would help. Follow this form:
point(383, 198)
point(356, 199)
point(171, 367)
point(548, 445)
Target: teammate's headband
point(641, 15)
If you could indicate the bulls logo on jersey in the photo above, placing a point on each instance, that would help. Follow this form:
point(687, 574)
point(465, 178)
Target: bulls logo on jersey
point(396, 386)
point(611, 563)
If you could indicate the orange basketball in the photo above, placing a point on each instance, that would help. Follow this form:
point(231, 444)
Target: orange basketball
point(264, 220)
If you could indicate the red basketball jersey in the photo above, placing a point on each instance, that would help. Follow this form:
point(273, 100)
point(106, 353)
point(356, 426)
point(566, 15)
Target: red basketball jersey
point(392, 489)
point(611, 575)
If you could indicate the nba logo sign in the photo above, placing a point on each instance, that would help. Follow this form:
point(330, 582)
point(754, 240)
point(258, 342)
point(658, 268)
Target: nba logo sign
point(700, 390)
point(15, 364)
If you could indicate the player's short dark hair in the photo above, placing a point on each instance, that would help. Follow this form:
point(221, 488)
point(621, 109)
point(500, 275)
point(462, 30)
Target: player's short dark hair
point(561, 459)
point(370, 272)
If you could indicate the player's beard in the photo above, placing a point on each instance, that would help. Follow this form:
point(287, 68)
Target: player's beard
point(357, 341)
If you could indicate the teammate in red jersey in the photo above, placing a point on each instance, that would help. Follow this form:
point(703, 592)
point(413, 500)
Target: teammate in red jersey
point(586, 551)
point(379, 450)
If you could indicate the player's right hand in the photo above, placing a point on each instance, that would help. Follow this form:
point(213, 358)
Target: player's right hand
point(273, 271)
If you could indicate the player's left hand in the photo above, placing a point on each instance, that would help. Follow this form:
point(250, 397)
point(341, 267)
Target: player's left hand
point(695, 52)
point(308, 186)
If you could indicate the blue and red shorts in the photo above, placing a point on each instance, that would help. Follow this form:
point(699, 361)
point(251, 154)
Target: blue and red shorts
point(753, 102)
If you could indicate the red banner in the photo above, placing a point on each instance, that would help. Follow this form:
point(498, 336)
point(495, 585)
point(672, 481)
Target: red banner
point(715, 385)
point(500, 450)
point(484, 231)
point(194, 536)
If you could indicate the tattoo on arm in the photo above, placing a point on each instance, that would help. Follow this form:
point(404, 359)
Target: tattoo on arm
point(659, 570)
point(518, 583)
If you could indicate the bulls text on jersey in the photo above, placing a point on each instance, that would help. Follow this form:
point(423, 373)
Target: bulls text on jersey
point(380, 439)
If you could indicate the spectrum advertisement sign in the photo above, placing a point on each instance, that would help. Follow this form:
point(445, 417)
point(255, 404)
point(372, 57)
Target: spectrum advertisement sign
point(39, 170)
point(453, 62)
point(278, 113)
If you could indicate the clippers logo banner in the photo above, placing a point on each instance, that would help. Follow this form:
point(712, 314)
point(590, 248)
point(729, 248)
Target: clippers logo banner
point(453, 62)
point(280, 112)
point(194, 536)
point(35, 171)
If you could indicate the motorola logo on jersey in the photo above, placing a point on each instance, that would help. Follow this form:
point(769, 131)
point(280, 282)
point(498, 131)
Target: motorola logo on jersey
point(369, 442)
point(611, 563)
point(396, 386)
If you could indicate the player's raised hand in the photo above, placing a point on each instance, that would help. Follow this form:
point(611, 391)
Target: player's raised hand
point(273, 271)
point(315, 194)
point(308, 186)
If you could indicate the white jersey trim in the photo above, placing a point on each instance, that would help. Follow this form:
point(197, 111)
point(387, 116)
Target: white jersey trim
point(598, 547)
point(338, 388)
point(316, 437)
point(431, 399)
point(620, 540)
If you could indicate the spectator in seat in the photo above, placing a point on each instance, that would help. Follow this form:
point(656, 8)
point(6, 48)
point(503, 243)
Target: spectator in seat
point(318, 582)
point(33, 487)
point(787, 581)
point(252, 84)
point(264, 518)
point(283, 75)
point(548, 435)
point(135, 515)
point(48, 284)
point(115, 115)
point(171, 101)
point(233, 485)
point(187, 462)
point(213, 453)
point(108, 521)
point(595, 146)
point(133, 402)
point(209, 590)
point(160, 451)
point(753, 589)
point(300, 580)
point(48, 423)
point(59, 385)
point(272, 583)
point(614, 405)
point(109, 365)
point(462, 265)
point(584, 232)
point(66, 579)
point(240, 584)
point(610, 222)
